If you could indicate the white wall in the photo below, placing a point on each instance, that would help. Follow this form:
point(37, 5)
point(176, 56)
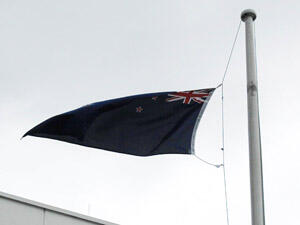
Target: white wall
point(16, 213)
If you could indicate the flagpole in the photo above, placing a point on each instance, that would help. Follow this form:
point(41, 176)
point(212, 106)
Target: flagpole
point(255, 159)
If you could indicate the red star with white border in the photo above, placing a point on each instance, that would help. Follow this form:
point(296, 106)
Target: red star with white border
point(139, 109)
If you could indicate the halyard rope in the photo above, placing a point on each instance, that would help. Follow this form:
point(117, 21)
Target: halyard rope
point(223, 126)
point(223, 122)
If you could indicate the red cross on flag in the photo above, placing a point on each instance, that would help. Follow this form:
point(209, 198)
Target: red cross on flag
point(188, 96)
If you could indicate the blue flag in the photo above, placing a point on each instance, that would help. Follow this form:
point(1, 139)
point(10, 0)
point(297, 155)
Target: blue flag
point(142, 125)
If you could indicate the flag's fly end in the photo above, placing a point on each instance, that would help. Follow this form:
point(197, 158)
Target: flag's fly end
point(28, 133)
point(24, 135)
point(246, 13)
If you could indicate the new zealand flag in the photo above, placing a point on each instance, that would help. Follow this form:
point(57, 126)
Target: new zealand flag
point(142, 125)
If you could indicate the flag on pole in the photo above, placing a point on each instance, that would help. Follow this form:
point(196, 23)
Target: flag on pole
point(142, 125)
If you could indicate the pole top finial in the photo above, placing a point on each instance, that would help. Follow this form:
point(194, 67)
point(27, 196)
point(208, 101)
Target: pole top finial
point(248, 13)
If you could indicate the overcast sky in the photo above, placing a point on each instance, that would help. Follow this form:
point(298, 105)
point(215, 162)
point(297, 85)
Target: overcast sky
point(58, 55)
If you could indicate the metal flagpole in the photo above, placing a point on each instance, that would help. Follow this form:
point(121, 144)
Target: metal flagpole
point(256, 177)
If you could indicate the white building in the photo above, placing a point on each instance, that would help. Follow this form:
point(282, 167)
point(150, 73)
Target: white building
point(19, 211)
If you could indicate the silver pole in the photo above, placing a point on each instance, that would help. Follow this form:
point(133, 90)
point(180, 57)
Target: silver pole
point(256, 177)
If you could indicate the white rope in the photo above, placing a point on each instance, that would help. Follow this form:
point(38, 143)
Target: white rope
point(223, 129)
point(223, 124)
point(211, 164)
point(221, 85)
point(231, 51)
